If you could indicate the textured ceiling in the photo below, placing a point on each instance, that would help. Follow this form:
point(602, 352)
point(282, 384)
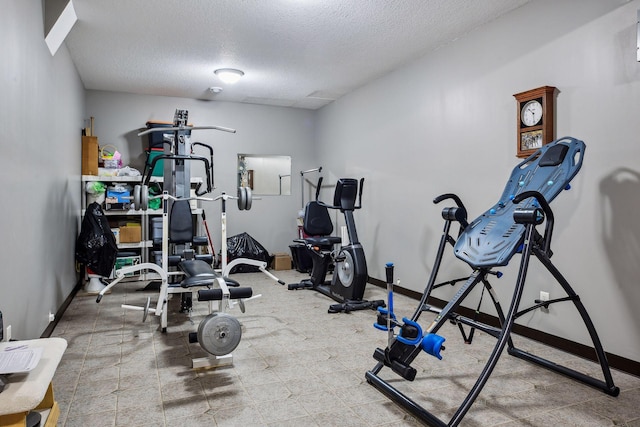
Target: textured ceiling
point(295, 53)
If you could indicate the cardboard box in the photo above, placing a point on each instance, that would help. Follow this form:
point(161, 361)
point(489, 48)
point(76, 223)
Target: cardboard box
point(130, 233)
point(281, 261)
point(89, 155)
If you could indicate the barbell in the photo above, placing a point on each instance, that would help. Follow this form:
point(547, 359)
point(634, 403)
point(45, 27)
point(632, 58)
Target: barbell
point(141, 198)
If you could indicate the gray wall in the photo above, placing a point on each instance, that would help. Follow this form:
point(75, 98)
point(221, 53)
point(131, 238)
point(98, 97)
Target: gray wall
point(259, 130)
point(446, 123)
point(41, 110)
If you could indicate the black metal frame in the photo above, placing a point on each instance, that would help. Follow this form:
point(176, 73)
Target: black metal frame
point(399, 355)
point(350, 296)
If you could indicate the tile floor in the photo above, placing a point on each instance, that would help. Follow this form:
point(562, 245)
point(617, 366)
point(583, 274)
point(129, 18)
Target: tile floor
point(297, 365)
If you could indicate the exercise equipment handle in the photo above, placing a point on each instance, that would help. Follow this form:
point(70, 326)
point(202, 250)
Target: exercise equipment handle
point(223, 196)
point(360, 194)
point(318, 188)
point(458, 214)
point(319, 170)
point(182, 128)
point(446, 196)
point(311, 170)
point(208, 147)
point(203, 199)
point(207, 166)
point(548, 230)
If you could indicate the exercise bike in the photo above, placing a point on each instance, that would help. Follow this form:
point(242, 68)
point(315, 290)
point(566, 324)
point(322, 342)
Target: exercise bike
point(350, 265)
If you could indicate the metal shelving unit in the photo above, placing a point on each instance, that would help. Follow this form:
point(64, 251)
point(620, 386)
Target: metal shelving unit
point(146, 244)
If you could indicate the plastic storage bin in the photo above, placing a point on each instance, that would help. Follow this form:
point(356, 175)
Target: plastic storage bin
point(302, 260)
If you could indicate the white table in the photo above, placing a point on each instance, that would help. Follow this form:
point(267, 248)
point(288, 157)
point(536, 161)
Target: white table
point(32, 390)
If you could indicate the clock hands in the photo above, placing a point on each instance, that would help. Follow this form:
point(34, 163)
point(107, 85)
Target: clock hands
point(531, 112)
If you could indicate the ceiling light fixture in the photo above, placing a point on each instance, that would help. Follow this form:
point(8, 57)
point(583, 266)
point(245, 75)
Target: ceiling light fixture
point(229, 75)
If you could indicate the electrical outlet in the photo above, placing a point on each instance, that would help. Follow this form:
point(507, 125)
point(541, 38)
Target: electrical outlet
point(544, 296)
point(52, 317)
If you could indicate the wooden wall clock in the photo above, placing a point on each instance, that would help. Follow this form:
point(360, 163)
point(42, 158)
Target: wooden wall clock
point(535, 120)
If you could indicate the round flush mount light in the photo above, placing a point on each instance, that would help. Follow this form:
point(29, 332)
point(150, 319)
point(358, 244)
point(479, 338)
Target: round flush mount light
point(229, 75)
point(215, 89)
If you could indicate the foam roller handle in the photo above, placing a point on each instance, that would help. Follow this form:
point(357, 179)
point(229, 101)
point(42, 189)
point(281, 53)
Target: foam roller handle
point(410, 341)
point(528, 216)
point(216, 294)
point(385, 320)
point(389, 270)
point(432, 344)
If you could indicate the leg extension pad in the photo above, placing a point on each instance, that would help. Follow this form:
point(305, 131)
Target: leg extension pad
point(216, 294)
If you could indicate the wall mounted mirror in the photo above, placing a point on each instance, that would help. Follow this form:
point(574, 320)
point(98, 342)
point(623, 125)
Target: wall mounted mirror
point(266, 175)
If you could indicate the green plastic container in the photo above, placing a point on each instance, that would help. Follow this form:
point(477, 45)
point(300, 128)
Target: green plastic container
point(158, 170)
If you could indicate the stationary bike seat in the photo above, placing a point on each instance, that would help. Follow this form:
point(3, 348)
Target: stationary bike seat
point(323, 241)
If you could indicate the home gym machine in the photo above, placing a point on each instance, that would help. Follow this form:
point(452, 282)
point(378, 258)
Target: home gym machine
point(350, 265)
point(219, 333)
point(490, 241)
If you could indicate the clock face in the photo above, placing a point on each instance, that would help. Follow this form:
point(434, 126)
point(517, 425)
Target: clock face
point(531, 113)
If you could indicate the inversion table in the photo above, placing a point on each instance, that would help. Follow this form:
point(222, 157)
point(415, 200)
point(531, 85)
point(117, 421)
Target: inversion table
point(490, 241)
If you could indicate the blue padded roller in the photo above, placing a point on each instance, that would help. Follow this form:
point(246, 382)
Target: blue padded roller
point(432, 344)
point(493, 238)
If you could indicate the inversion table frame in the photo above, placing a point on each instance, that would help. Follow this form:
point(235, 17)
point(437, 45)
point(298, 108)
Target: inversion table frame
point(491, 241)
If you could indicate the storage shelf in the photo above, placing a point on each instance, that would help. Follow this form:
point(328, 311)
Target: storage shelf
point(136, 245)
point(146, 244)
point(94, 178)
point(104, 178)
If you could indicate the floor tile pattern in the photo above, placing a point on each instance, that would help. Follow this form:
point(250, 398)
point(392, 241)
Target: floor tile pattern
point(298, 365)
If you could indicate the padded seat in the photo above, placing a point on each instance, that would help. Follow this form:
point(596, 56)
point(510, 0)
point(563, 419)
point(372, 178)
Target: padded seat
point(199, 273)
point(323, 242)
point(318, 226)
point(181, 229)
point(174, 260)
point(200, 241)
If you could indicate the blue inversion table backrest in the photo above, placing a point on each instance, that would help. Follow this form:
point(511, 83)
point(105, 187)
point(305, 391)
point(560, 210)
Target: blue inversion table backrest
point(493, 238)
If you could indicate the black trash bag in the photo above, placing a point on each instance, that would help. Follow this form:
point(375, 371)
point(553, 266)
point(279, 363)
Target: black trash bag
point(96, 245)
point(244, 246)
